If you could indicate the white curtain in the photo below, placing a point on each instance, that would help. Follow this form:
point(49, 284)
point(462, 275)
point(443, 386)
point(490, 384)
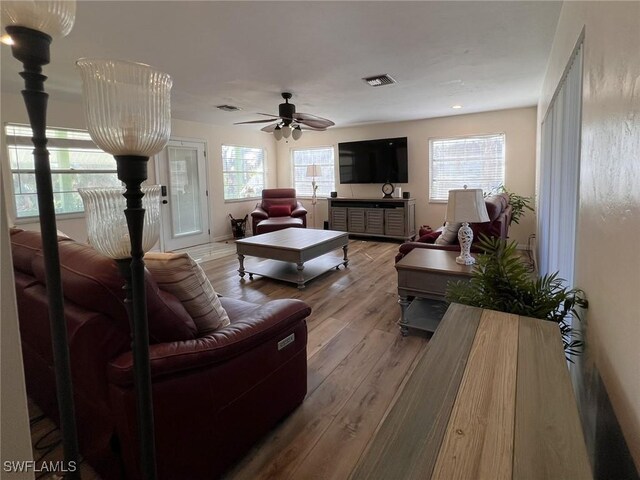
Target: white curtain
point(559, 175)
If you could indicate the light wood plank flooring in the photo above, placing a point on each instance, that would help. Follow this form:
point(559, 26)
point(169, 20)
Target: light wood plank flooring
point(357, 364)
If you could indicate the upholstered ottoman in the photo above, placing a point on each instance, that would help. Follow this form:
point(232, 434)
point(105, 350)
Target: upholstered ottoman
point(277, 223)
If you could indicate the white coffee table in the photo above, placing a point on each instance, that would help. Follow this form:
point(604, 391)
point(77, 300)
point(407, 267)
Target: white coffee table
point(294, 255)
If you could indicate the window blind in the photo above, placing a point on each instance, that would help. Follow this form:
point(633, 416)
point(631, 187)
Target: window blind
point(322, 158)
point(475, 161)
point(243, 171)
point(76, 162)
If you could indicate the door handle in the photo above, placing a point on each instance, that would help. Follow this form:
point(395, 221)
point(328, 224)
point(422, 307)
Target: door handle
point(164, 202)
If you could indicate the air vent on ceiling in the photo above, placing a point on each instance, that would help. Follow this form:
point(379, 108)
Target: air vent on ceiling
point(379, 80)
point(228, 108)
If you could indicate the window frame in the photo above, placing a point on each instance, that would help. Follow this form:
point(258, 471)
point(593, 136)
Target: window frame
point(53, 144)
point(293, 168)
point(264, 172)
point(459, 137)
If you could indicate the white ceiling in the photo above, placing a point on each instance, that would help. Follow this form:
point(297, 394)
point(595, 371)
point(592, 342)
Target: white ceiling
point(483, 55)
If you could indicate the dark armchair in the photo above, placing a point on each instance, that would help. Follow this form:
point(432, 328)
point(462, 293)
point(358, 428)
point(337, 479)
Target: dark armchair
point(278, 209)
point(499, 212)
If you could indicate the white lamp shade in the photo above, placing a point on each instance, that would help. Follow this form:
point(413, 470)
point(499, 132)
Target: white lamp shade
point(107, 225)
point(127, 106)
point(297, 133)
point(286, 131)
point(466, 205)
point(277, 133)
point(314, 171)
point(54, 17)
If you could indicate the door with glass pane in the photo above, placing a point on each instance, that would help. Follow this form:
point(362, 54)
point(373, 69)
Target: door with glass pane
point(185, 212)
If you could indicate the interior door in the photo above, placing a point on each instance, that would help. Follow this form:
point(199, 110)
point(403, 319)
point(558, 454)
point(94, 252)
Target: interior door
point(185, 208)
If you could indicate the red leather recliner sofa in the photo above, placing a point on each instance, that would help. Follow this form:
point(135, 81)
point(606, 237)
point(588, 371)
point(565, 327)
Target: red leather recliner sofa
point(499, 212)
point(214, 396)
point(279, 209)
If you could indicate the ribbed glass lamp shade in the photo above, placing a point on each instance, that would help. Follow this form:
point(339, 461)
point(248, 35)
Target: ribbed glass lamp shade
point(127, 106)
point(286, 131)
point(277, 133)
point(55, 17)
point(297, 133)
point(107, 225)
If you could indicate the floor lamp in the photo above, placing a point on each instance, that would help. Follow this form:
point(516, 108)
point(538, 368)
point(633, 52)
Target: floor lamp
point(128, 113)
point(31, 26)
point(314, 171)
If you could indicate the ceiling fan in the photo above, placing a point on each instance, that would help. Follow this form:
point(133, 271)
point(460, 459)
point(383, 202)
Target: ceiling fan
point(289, 122)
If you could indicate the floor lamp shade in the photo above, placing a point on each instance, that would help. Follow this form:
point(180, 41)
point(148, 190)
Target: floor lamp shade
point(127, 106)
point(55, 18)
point(107, 224)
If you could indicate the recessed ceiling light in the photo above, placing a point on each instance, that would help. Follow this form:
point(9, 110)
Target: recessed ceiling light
point(457, 107)
point(6, 39)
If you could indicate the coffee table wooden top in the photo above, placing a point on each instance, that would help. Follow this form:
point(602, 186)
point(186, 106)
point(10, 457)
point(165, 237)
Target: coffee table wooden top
point(293, 238)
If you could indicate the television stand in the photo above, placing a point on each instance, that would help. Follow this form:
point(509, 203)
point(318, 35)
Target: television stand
point(374, 217)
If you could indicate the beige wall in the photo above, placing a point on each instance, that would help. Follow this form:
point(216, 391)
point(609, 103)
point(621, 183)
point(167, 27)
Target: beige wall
point(519, 126)
point(608, 258)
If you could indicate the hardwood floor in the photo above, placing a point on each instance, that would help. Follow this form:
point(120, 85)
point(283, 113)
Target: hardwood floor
point(357, 362)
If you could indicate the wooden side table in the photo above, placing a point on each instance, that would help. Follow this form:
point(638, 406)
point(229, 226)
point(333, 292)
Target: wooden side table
point(424, 274)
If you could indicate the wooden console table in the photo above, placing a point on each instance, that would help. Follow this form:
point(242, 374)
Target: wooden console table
point(490, 399)
point(374, 217)
point(425, 273)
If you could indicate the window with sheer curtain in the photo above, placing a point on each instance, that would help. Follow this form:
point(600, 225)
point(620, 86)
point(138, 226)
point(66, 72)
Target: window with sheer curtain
point(76, 162)
point(322, 158)
point(243, 171)
point(476, 161)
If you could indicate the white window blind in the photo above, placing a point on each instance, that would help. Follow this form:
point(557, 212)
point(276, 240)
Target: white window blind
point(476, 161)
point(76, 162)
point(243, 172)
point(322, 158)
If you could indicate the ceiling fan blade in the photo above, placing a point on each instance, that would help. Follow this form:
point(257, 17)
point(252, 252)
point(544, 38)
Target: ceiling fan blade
point(269, 128)
point(313, 120)
point(307, 127)
point(255, 121)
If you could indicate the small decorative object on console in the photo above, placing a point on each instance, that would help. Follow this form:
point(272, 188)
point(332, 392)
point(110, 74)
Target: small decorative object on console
point(465, 206)
point(387, 189)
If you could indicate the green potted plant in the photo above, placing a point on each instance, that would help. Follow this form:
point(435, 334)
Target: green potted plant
point(501, 281)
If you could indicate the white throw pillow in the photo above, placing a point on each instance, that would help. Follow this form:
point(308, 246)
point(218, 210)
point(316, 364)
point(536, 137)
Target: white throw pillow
point(449, 234)
point(179, 274)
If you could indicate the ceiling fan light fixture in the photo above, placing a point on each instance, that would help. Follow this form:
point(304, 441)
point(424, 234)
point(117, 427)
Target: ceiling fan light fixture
point(286, 131)
point(297, 133)
point(277, 133)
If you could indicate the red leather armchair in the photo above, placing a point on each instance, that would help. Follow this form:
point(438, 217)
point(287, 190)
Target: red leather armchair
point(214, 396)
point(279, 209)
point(499, 212)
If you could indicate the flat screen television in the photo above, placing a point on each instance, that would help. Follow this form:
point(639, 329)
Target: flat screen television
point(374, 161)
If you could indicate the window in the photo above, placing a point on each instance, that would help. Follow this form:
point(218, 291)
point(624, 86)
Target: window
point(477, 162)
point(243, 172)
point(76, 162)
point(322, 158)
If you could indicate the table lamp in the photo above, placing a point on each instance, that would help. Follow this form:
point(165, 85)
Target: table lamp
point(466, 206)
